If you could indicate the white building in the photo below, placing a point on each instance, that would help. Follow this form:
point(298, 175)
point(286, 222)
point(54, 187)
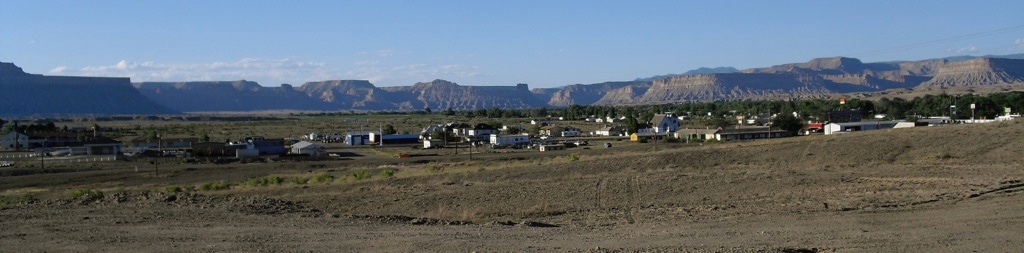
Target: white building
point(510, 140)
point(307, 148)
point(834, 128)
point(664, 123)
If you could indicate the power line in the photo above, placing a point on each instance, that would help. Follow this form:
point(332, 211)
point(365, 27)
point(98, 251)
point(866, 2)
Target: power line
point(921, 44)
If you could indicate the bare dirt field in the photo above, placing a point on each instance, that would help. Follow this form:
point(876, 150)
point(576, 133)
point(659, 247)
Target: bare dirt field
point(931, 189)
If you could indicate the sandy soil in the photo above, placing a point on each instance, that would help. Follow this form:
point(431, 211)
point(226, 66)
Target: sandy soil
point(937, 189)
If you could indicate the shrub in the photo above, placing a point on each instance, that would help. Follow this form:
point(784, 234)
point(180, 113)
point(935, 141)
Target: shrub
point(269, 180)
point(435, 168)
point(360, 175)
point(90, 193)
point(299, 180)
point(387, 173)
point(214, 186)
point(573, 157)
point(24, 199)
point(322, 178)
point(173, 188)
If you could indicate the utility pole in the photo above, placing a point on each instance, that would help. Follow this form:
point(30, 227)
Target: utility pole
point(159, 153)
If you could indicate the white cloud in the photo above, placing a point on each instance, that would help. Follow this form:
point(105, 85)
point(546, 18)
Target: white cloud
point(58, 70)
point(269, 72)
point(1019, 43)
point(272, 72)
point(965, 50)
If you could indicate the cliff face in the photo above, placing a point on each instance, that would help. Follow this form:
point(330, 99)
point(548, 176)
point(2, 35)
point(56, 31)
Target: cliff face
point(441, 94)
point(731, 86)
point(978, 72)
point(227, 96)
point(23, 94)
point(334, 95)
point(587, 94)
point(26, 94)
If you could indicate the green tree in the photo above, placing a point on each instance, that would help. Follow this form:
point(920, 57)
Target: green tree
point(788, 122)
point(631, 124)
point(389, 129)
point(204, 137)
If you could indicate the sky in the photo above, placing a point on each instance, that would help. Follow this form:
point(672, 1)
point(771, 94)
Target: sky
point(540, 43)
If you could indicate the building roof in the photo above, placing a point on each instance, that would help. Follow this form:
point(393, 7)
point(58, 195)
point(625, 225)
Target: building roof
point(362, 132)
point(697, 131)
point(866, 123)
point(657, 119)
point(304, 144)
point(746, 130)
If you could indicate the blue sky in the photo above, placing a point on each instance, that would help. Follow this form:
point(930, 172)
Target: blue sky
point(541, 43)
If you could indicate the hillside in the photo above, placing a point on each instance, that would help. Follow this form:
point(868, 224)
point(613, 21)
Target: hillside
point(23, 94)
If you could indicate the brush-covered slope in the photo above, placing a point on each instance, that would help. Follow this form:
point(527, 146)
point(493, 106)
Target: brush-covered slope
point(23, 94)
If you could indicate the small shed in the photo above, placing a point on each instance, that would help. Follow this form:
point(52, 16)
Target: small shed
point(307, 148)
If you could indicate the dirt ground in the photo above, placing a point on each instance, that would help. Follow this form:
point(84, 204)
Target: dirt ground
point(931, 189)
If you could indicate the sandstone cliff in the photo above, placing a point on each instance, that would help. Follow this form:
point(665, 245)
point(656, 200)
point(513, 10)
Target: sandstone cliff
point(227, 96)
point(978, 72)
point(581, 94)
point(441, 94)
point(23, 94)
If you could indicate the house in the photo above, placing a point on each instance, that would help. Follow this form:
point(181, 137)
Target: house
point(354, 138)
point(551, 130)
point(307, 148)
point(430, 130)
point(558, 131)
point(664, 123)
point(610, 131)
point(18, 140)
point(749, 133)
point(510, 140)
point(545, 148)
point(834, 128)
point(570, 132)
point(481, 130)
point(460, 129)
point(696, 134)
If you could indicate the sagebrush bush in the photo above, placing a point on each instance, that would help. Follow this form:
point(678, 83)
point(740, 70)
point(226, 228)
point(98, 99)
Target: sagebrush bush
point(360, 175)
point(322, 178)
point(387, 173)
point(299, 180)
point(91, 193)
point(435, 168)
point(174, 188)
point(214, 186)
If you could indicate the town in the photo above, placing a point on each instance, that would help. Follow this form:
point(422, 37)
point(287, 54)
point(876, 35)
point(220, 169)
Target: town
point(545, 134)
